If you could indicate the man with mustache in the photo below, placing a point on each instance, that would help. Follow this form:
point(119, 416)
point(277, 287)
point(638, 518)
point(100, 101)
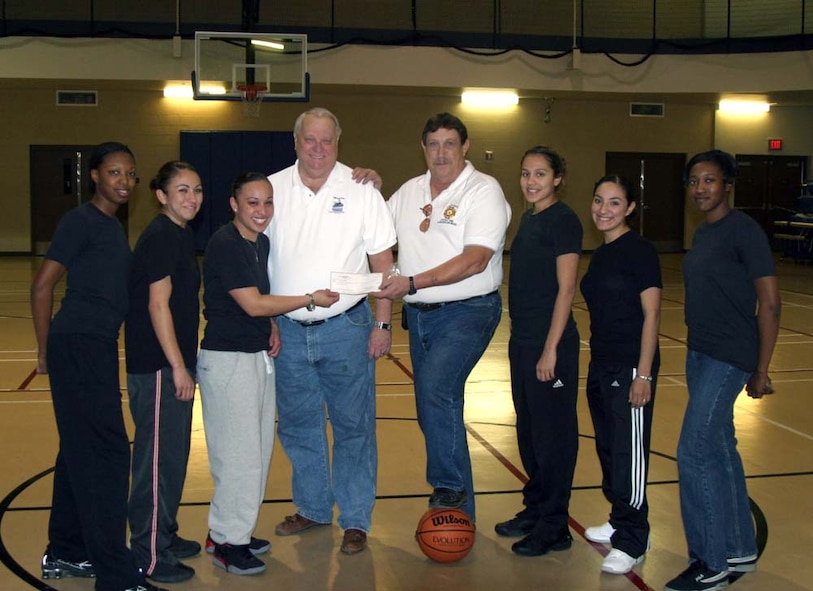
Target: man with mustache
point(451, 224)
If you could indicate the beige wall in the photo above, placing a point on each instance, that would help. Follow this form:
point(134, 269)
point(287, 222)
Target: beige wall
point(381, 129)
point(383, 96)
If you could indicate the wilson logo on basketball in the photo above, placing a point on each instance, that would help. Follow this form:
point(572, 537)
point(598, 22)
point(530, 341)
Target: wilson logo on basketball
point(447, 519)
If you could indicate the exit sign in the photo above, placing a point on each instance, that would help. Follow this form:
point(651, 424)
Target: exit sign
point(774, 144)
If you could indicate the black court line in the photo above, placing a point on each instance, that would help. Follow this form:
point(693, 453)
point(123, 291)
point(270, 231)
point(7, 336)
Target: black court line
point(5, 557)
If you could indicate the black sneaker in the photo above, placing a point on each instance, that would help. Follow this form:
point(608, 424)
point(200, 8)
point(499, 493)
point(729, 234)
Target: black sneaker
point(182, 548)
point(145, 586)
point(256, 546)
point(237, 560)
point(171, 573)
point(56, 568)
point(516, 527)
point(447, 498)
point(743, 564)
point(532, 545)
point(698, 577)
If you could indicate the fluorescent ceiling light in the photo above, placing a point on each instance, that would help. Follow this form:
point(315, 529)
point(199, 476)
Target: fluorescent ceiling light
point(268, 44)
point(490, 98)
point(185, 90)
point(741, 107)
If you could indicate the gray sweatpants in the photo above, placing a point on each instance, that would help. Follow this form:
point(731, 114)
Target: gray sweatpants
point(238, 393)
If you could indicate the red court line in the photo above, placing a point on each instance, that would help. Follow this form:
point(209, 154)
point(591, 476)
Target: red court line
point(632, 576)
point(28, 380)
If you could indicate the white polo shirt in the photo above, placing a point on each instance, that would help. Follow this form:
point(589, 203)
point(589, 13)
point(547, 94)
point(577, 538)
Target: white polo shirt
point(313, 234)
point(471, 211)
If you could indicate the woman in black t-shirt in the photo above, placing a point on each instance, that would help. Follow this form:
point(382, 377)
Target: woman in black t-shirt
point(161, 339)
point(544, 355)
point(87, 528)
point(622, 289)
point(236, 372)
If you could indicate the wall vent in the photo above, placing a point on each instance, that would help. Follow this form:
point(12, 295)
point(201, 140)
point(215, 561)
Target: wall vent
point(77, 98)
point(647, 109)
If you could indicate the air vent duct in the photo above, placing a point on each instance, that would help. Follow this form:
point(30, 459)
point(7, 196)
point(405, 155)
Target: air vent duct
point(647, 109)
point(77, 98)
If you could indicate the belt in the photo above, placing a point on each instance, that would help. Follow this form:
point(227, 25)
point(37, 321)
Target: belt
point(436, 306)
point(323, 320)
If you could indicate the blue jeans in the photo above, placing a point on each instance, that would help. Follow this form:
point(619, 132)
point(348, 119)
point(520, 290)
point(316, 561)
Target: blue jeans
point(445, 344)
point(326, 367)
point(713, 498)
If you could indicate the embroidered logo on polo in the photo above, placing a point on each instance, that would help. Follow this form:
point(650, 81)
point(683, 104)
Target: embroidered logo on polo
point(449, 215)
point(558, 384)
point(338, 205)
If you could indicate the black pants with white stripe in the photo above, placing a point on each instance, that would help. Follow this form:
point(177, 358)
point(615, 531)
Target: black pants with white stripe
point(547, 433)
point(622, 442)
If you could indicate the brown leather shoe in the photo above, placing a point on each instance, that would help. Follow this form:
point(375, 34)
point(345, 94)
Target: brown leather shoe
point(354, 541)
point(295, 524)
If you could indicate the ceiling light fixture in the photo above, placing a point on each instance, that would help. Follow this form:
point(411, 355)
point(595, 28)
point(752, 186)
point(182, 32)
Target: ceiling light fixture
point(743, 107)
point(184, 91)
point(268, 44)
point(490, 98)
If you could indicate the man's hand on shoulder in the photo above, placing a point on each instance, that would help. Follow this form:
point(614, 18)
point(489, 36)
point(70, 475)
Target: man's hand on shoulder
point(367, 175)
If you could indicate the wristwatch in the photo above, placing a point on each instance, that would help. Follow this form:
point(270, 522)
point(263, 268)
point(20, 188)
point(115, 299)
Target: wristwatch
point(312, 305)
point(412, 290)
point(643, 377)
point(384, 325)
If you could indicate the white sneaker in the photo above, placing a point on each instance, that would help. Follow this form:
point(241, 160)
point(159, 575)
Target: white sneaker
point(600, 534)
point(619, 563)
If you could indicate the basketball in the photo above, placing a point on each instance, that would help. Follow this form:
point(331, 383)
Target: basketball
point(445, 535)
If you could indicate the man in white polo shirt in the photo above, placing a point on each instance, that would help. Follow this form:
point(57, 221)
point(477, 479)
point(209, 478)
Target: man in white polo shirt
point(324, 221)
point(451, 224)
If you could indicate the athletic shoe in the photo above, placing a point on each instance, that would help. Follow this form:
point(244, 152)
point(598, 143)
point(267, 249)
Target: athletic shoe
point(145, 586)
point(535, 546)
point(447, 498)
point(618, 562)
point(600, 534)
point(237, 560)
point(698, 577)
point(743, 564)
point(171, 573)
point(56, 568)
point(256, 546)
point(516, 527)
point(182, 548)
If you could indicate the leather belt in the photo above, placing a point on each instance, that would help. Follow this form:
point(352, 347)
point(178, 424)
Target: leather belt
point(436, 306)
point(323, 320)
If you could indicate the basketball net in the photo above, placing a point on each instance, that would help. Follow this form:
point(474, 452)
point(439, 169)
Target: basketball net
point(252, 95)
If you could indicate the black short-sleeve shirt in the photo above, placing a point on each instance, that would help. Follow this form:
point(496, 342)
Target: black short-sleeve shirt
point(532, 282)
point(721, 300)
point(94, 250)
point(232, 262)
point(164, 249)
point(617, 275)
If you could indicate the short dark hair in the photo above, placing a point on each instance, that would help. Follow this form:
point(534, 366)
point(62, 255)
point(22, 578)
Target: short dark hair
point(724, 161)
point(556, 162)
point(101, 152)
point(168, 172)
point(444, 121)
point(245, 178)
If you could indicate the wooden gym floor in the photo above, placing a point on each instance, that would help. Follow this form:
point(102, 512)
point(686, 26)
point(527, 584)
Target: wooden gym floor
point(775, 439)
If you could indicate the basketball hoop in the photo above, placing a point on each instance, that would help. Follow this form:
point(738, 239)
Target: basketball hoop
point(252, 95)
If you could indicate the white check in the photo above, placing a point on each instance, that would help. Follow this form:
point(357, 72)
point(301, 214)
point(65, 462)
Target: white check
point(355, 283)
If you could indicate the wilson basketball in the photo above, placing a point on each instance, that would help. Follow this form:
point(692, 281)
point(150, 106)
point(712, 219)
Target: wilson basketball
point(445, 535)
